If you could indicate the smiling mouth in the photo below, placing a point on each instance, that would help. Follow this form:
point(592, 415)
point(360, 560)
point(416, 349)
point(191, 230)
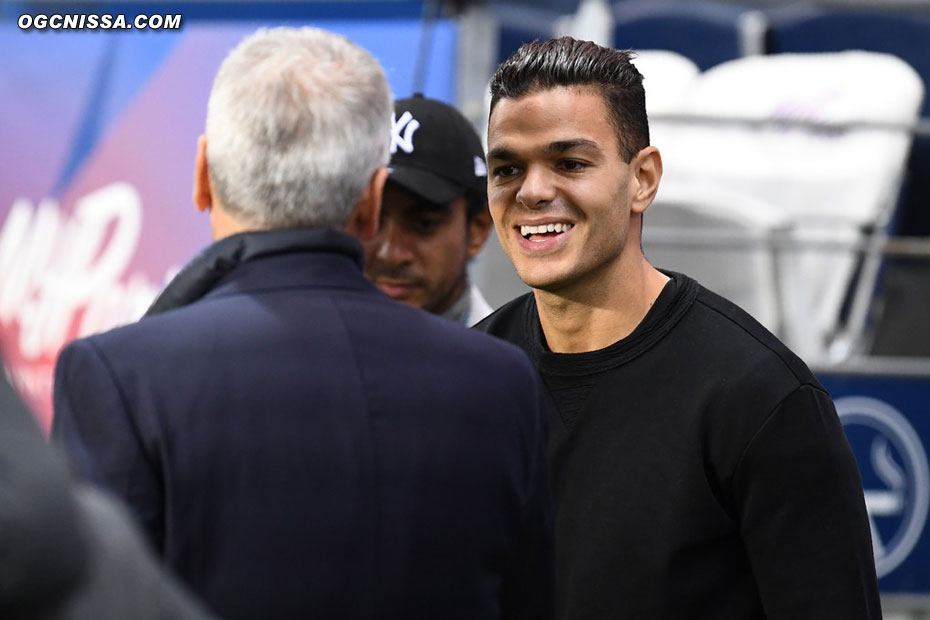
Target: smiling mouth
point(544, 231)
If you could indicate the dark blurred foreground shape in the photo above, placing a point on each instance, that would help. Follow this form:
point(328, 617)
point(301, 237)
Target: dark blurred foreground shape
point(66, 552)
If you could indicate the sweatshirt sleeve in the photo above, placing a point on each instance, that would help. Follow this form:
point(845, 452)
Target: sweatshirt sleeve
point(802, 515)
point(94, 425)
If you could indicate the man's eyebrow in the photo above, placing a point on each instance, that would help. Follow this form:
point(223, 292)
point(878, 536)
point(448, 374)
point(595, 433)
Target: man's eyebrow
point(553, 148)
point(560, 146)
point(501, 153)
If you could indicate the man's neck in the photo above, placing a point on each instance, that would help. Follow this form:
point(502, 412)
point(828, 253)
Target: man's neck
point(458, 311)
point(449, 299)
point(598, 313)
point(224, 224)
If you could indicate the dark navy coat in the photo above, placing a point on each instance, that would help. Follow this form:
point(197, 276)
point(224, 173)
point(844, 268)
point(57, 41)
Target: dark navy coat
point(297, 445)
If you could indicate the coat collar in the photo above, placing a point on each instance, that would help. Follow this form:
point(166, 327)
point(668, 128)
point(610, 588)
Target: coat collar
point(206, 270)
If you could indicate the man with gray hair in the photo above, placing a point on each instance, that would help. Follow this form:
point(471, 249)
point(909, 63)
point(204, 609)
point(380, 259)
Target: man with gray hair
point(295, 443)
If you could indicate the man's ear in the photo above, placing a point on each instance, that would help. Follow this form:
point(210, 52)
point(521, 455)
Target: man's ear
point(203, 192)
point(646, 173)
point(478, 229)
point(363, 222)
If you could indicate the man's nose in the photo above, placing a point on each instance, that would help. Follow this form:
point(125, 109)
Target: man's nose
point(393, 243)
point(537, 189)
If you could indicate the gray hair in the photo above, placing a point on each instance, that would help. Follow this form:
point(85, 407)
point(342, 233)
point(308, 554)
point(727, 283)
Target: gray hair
point(298, 121)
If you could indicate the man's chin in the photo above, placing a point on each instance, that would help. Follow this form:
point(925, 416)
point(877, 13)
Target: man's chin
point(543, 279)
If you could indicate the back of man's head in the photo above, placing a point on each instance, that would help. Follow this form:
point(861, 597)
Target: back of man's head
point(567, 62)
point(297, 123)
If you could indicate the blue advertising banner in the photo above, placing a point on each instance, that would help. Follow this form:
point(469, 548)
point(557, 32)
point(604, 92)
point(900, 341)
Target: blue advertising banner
point(887, 422)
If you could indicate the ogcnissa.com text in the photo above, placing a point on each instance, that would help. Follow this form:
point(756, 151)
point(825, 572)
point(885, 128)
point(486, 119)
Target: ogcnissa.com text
point(94, 21)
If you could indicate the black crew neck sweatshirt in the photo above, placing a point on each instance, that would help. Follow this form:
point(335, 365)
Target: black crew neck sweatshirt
point(570, 376)
point(699, 471)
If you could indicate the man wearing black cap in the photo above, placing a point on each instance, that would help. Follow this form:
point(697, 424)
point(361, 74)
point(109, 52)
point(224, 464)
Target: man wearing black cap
point(434, 216)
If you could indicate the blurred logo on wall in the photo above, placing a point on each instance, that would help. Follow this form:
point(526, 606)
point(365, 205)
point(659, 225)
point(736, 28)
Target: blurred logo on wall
point(895, 476)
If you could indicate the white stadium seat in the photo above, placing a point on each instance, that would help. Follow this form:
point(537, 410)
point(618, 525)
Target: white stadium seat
point(826, 142)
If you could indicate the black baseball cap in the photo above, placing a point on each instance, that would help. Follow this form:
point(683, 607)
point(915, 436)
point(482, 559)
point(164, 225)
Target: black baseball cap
point(435, 152)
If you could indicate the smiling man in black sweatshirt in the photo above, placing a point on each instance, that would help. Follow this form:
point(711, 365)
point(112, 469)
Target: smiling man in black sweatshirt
point(699, 469)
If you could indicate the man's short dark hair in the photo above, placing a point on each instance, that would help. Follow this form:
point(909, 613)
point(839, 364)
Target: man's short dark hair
point(566, 61)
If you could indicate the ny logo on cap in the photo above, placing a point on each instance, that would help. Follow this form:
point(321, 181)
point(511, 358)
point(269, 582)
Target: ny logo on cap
point(406, 124)
point(481, 168)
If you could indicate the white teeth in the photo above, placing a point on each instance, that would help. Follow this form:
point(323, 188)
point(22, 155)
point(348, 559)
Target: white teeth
point(544, 228)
